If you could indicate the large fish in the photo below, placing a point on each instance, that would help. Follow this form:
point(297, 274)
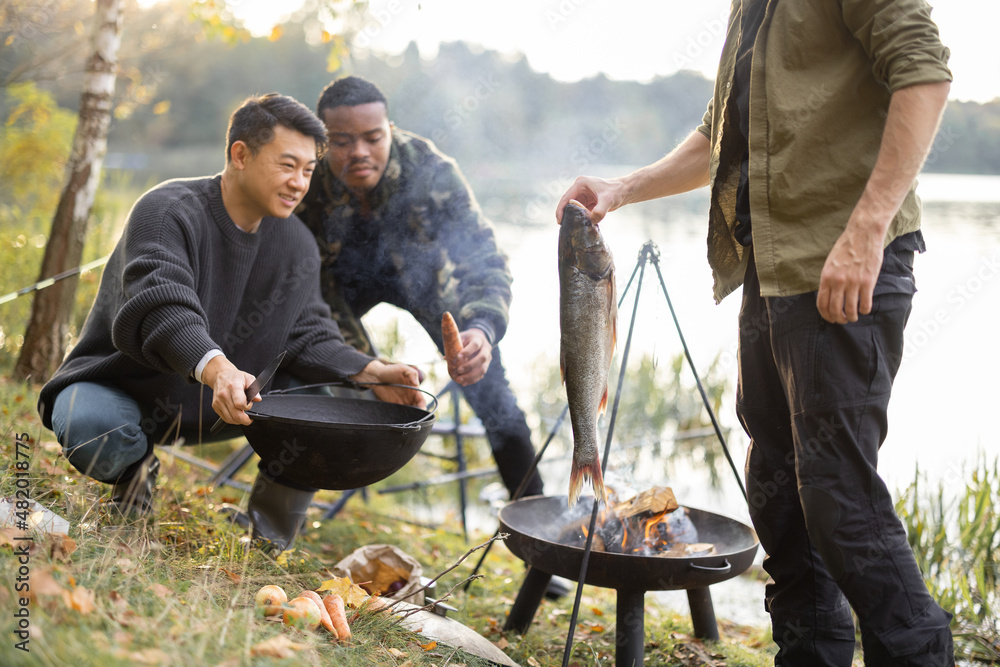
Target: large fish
point(588, 321)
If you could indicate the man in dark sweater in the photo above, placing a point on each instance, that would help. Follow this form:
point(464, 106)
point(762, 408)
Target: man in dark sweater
point(397, 223)
point(212, 276)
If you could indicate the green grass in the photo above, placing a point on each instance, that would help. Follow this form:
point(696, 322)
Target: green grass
point(178, 589)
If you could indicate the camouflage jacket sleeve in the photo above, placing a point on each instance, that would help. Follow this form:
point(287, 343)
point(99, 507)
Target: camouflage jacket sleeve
point(482, 277)
point(313, 211)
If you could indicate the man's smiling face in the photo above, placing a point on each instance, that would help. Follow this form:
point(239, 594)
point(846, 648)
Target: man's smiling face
point(277, 178)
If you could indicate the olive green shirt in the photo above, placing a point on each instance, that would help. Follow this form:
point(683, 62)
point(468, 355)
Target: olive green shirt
point(822, 75)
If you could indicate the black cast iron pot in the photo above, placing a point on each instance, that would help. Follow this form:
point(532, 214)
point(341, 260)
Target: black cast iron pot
point(328, 442)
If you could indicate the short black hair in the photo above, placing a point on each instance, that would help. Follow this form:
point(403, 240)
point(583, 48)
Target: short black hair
point(253, 122)
point(349, 91)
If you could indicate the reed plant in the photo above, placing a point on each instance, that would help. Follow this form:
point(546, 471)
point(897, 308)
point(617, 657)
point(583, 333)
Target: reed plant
point(956, 540)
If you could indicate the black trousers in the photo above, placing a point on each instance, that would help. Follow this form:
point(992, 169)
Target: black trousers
point(813, 397)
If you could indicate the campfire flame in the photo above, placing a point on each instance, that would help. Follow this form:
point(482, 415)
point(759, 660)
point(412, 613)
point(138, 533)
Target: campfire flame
point(649, 524)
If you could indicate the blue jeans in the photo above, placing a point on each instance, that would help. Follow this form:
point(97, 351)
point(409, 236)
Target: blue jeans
point(813, 398)
point(106, 434)
point(103, 431)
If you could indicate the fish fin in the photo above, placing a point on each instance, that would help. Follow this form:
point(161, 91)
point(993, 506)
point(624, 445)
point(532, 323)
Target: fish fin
point(603, 407)
point(592, 472)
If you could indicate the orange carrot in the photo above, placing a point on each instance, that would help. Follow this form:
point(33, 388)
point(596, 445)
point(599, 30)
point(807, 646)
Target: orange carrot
point(452, 338)
point(324, 615)
point(338, 615)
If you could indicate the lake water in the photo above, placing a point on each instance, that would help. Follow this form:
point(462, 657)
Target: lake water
point(940, 417)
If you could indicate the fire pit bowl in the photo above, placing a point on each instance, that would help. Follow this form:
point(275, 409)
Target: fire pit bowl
point(534, 524)
point(328, 442)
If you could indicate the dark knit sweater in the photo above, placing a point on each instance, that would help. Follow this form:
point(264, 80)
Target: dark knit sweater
point(183, 280)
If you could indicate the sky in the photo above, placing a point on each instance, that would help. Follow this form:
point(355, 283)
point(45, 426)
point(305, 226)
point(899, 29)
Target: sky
point(625, 39)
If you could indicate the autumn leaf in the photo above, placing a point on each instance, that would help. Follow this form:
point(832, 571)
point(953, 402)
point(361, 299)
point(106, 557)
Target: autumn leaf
point(354, 596)
point(61, 547)
point(396, 653)
point(277, 647)
point(235, 578)
point(429, 646)
point(338, 51)
point(149, 656)
point(282, 559)
point(161, 591)
point(81, 599)
point(533, 662)
point(42, 583)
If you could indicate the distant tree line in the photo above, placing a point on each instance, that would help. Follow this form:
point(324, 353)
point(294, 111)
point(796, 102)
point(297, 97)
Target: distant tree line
point(491, 111)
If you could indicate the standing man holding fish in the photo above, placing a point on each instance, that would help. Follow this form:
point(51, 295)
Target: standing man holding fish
point(822, 116)
point(397, 223)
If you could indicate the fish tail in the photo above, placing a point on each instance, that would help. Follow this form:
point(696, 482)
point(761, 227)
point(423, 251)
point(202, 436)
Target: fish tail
point(592, 472)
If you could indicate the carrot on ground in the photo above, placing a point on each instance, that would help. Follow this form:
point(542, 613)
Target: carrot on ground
point(324, 615)
point(452, 338)
point(338, 615)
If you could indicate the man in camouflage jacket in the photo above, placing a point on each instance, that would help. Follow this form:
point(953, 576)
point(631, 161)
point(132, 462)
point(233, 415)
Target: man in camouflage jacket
point(397, 223)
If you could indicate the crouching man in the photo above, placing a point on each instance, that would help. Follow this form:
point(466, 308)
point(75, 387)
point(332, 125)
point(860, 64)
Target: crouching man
point(212, 277)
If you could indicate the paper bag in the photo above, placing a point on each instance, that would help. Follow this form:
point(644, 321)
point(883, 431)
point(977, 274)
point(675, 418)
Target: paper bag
point(382, 569)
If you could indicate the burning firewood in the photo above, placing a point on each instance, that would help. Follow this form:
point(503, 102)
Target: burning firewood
point(646, 524)
point(657, 500)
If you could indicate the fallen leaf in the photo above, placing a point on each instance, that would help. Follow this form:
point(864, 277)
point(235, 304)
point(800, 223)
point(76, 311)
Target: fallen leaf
point(61, 547)
point(597, 612)
point(7, 536)
point(354, 596)
point(51, 446)
point(161, 591)
point(42, 583)
point(235, 578)
point(277, 647)
point(502, 643)
point(81, 599)
point(533, 662)
point(597, 628)
point(396, 653)
point(429, 646)
point(149, 656)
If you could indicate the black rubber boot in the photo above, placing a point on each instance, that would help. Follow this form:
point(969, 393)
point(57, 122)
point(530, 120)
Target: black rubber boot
point(133, 498)
point(276, 512)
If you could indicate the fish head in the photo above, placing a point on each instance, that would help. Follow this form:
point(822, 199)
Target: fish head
point(581, 244)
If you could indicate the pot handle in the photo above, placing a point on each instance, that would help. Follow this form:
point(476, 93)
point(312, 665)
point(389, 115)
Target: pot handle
point(430, 410)
point(726, 567)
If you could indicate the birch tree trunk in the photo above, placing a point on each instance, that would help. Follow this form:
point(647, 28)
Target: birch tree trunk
point(45, 337)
